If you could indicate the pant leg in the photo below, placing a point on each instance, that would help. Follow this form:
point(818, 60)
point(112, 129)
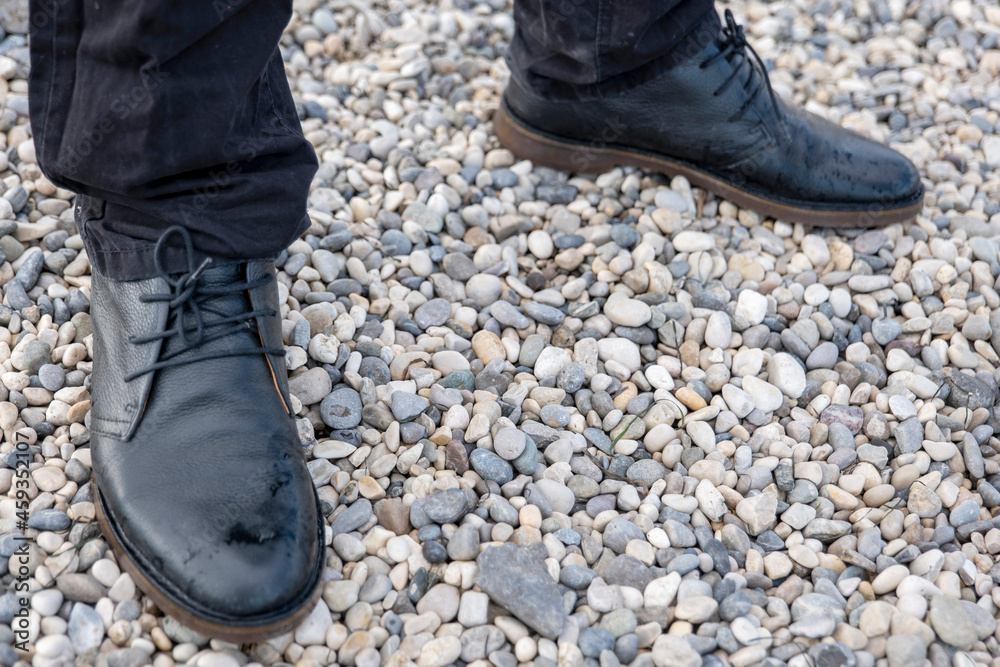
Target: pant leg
point(167, 112)
point(589, 48)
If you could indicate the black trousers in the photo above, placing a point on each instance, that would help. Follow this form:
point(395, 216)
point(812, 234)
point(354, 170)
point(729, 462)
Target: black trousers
point(171, 112)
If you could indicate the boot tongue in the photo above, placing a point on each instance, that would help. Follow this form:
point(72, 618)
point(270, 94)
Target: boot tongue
point(218, 278)
point(210, 308)
point(751, 73)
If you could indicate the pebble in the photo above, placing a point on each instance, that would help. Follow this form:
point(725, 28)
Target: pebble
point(672, 651)
point(464, 544)
point(352, 518)
point(903, 650)
point(491, 467)
point(433, 313)
point(966, 512)
point(784, 372)
point(618, 533)
point(627, 312)
point(951, 622)
point(718, 331)
point(509, 443)
point(849, 415)
point(758, 512)
point(446, 506)
point(646, 472)
point(691, 241)
point(85, 629)
point(766, 397)
point(519, 582)
point(341, 409)
point(885, 330)
point(751, 308)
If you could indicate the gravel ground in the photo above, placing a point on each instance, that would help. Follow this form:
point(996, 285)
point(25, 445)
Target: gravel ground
point(588, 420)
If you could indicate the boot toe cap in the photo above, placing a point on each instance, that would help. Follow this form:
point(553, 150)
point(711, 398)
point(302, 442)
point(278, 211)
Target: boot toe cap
point(907, 184)
point(831, 164)
point(240, 550)
point(253, 576)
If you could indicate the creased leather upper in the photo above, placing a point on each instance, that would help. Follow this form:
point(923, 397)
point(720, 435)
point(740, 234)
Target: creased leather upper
point(211, 492)
point(263, 298)
point(118, 404)
point(783, 153)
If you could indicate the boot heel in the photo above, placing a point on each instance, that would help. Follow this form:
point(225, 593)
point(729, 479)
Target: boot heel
point(528, 144)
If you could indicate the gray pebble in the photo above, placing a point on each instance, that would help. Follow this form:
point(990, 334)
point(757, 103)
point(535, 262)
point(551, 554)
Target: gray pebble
point(446, 506)
point(544, 314)
point(594, 640)
point(885, 330)
point(509, 315)
point(491, 467)
point(434, 313)
point(619, 532)
point(341, 409)
point(52, 519)
point(355, 516)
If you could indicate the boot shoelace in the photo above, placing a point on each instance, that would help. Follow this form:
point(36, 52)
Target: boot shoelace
point(736, 46)
point(187, 303)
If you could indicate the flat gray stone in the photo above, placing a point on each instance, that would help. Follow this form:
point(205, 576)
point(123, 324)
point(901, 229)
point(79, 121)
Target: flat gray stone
point(619, 532)
point(85, 629)
point(446, 506)
point(406, 406)
point(341, 409)
point(816, 603)
point(352, 518)
point(520, 583)
point(646, 471)
point(490, 466)
point(951, 622)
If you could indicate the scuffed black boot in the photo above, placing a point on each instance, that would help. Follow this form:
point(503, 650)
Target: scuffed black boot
point(204, 494)
point(715, 120)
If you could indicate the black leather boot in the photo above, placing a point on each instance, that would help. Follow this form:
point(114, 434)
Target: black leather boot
point(715, 120)
point(204, 494)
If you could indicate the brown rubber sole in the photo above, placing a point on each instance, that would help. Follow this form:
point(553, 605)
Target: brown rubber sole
point(569, 155)
point(240, 632)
